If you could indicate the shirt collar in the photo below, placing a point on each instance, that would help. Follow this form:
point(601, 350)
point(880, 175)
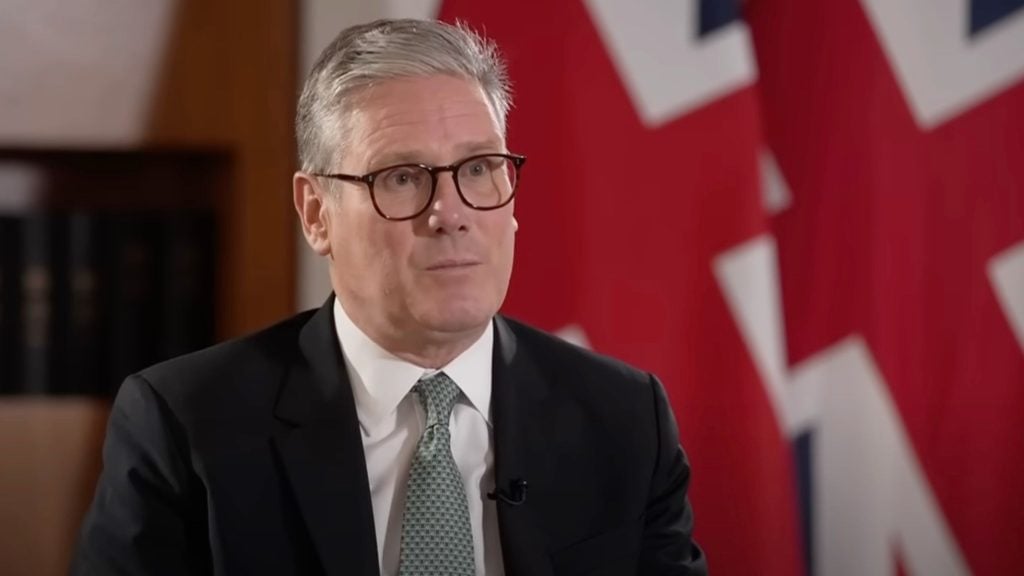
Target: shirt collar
point(380, 380)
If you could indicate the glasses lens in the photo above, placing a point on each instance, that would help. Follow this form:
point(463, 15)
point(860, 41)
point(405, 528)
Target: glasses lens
point(487, 181)
point(402, 191)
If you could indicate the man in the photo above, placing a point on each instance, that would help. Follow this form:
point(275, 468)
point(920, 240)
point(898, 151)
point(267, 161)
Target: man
point(405, 427)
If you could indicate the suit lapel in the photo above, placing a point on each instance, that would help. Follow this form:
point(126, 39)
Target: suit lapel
point(523, 417)
point(322, 452)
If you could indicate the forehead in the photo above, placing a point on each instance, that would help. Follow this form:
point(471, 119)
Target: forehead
point(431, 117)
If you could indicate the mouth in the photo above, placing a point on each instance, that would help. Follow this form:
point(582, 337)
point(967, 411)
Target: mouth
point(452, 264)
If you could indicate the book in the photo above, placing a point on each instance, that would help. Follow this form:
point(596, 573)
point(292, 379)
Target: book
point(40, 273)
point(10, 303)
point(80, 297)
point(187, 280)
point(130, 297)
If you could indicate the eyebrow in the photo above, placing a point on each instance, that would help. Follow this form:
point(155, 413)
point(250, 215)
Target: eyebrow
point(414, 157)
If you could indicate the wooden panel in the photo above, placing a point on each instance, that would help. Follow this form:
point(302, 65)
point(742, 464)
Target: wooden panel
point(51, 458)
point(230, 81)
point(259, 286)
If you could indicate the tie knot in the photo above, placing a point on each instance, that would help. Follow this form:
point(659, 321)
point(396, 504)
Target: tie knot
point(437, 394)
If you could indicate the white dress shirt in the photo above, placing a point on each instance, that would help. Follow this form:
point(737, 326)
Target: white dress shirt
point(391, 422)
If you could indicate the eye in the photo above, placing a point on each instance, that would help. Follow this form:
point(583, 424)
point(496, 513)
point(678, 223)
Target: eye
point(402, 177)
point(478, 167)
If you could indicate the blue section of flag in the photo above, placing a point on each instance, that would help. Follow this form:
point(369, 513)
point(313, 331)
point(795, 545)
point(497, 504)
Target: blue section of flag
point(985, 13)
point(802, 450)
point(715, 14)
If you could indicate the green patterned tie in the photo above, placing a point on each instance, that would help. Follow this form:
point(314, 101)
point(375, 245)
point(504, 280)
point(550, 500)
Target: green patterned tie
point(436, 535)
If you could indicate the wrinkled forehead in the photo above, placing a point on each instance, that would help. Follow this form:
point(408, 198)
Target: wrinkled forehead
point(434, 116)
point(422, 95)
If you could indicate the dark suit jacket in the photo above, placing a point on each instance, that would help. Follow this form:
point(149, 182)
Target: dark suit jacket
point(246, 458)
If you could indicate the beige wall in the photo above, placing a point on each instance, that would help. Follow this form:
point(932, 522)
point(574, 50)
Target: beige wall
point(80, 73)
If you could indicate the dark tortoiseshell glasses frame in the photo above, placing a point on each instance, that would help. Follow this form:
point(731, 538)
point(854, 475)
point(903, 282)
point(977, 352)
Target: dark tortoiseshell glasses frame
point(369, 179)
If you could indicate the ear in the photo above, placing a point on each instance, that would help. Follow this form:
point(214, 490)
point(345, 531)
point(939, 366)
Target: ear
point(311, 206)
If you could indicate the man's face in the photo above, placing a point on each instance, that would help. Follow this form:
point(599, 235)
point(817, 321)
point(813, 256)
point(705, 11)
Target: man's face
point(443, 274)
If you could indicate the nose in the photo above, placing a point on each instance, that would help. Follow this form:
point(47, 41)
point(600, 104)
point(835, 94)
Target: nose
point(447, 213)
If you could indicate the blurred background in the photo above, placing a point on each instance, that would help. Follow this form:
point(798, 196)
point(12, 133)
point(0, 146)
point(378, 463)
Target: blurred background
point(807, 218)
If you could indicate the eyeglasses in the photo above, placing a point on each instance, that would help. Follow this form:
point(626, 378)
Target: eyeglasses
point(403, 192)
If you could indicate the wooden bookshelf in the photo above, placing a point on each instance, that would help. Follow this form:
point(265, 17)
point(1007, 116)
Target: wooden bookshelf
point(109, 266)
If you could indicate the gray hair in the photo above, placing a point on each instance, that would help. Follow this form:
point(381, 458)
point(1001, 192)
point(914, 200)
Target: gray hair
point(383, 50)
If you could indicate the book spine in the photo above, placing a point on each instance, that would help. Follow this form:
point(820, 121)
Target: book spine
point(187, 272)
point(37, 310)
point(132, 306)
point(81, 292)
point(10, 308)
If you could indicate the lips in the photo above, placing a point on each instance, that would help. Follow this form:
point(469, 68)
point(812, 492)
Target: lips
point(449, 264)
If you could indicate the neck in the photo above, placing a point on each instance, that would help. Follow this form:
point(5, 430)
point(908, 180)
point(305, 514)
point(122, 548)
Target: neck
point(431, 349)
point(432, 353)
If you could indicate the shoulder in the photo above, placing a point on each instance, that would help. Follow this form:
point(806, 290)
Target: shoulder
point(554, 351)
point(576, 369)
point(593, 399)
point(238, 372)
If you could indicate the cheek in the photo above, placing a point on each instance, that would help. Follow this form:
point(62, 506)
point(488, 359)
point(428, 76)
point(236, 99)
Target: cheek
point(384, 249)
point(507, 238)
point(503, 241)
point(356, 243)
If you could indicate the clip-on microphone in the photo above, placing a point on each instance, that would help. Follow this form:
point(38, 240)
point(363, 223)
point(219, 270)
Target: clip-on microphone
point(515, 496)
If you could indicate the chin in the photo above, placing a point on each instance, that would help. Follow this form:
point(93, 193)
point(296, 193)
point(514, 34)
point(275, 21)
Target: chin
point(460, 316)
